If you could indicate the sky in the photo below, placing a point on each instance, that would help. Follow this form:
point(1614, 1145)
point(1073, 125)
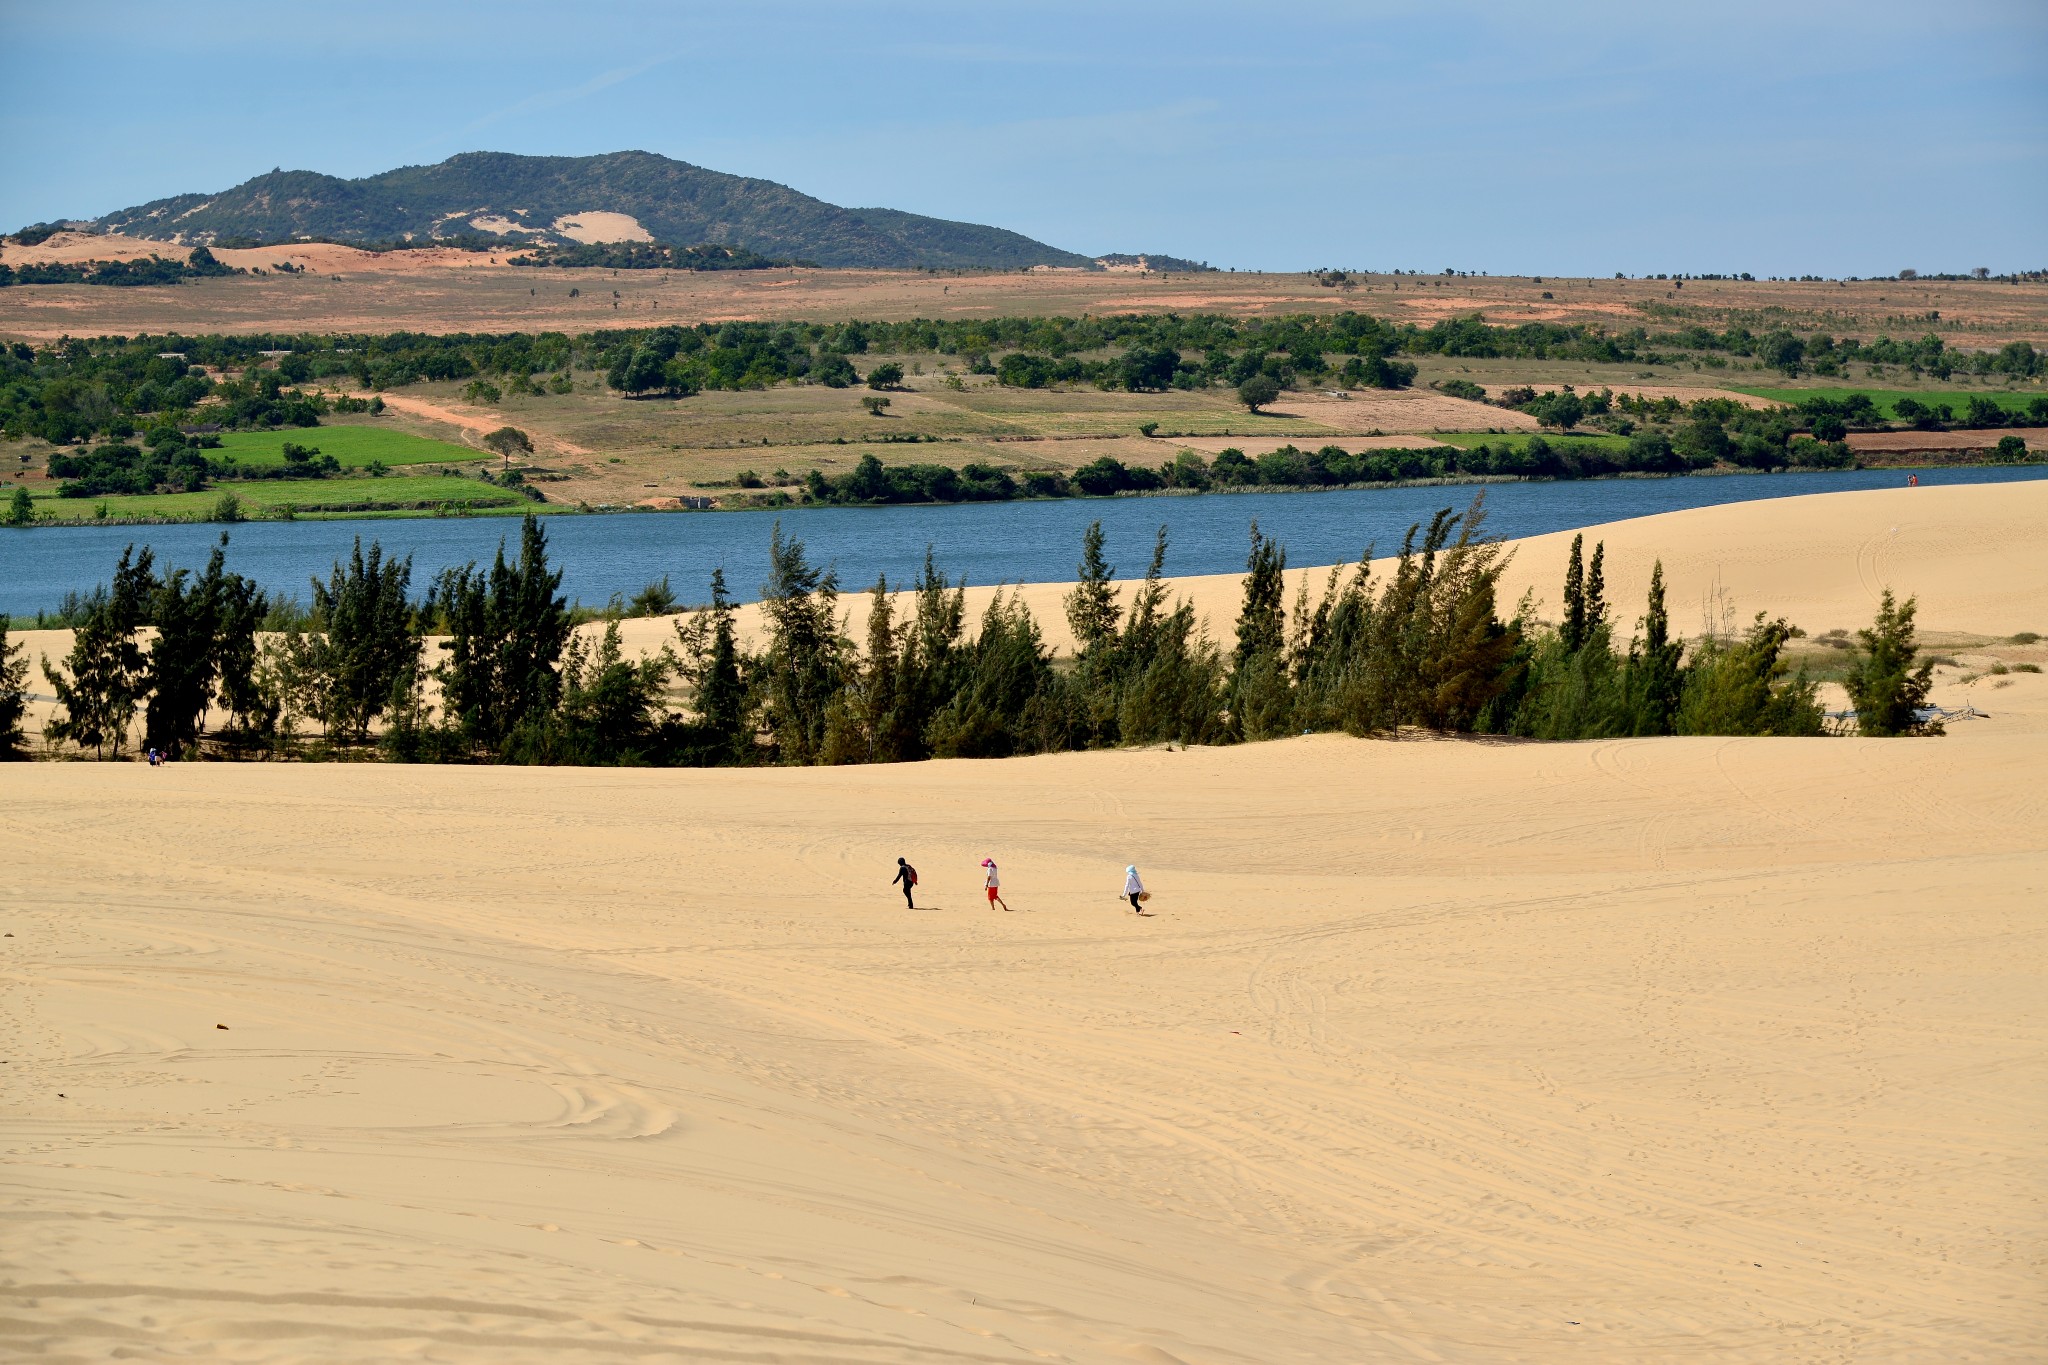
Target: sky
point(1570, 138)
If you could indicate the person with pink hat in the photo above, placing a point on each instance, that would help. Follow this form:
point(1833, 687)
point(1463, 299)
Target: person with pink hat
point(994, 884)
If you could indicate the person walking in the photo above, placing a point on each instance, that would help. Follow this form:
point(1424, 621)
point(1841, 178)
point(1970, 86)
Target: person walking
point(994, 883)
point(1135, 889)
point(907, 875)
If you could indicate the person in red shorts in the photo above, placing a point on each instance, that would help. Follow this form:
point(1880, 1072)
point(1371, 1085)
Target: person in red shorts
point(994, 883)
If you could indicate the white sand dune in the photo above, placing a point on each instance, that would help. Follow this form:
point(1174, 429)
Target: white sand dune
point(1665, 1050)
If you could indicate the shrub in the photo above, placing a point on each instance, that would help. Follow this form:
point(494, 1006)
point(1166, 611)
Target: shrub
point(885, 376)
point(1461, 388)
point(834, 371)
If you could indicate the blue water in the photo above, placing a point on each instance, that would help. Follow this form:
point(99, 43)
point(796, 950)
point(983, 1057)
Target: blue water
point(989, 542)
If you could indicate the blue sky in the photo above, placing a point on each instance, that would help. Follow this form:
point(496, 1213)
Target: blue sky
point(1568, 138)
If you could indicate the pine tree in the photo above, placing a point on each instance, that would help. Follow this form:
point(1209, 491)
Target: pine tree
point(715, 670)
point(368, 651)
point(1884, 687)
point(184, 662)
point(932, 656)
point(866, 722)
point(1656, 677)
point(1092, 610)
point(1262, 621)
point(1573, 627)
point(1596, 590)
point(103, 680)
point(507, 629)
point(806, 656)
point(1261, 700)
point(13, 695)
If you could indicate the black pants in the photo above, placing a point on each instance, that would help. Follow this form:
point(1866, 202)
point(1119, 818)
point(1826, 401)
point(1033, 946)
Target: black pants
point(908, 903)
point(1134, 903)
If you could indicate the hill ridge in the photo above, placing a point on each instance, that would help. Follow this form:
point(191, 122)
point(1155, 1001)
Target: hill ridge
point(521, 199)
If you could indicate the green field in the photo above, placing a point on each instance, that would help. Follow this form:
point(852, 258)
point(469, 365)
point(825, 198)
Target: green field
point(308, 497)
point(353, 446)
point(1886, 400)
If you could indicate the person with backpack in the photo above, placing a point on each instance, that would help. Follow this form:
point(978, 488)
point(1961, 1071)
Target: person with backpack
point(906, 874)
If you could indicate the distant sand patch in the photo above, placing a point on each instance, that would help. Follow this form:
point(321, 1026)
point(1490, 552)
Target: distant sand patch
point(491, 222)
point(602, 227)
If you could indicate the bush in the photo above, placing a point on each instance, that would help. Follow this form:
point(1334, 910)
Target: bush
point(834, 371)
point(1461, 388)
point(886, 376)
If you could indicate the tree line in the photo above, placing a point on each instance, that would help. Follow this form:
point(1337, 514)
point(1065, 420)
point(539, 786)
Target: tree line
point(649, 256)
point(75, 389)
point(485, 666)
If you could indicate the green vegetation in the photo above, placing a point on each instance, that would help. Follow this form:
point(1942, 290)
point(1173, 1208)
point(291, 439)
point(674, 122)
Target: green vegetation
point(352, 447)
point(651, 256)
point(1884, 403)
point(13, 696)
point(173, 415)
point(1424, 646)
point(423, 493)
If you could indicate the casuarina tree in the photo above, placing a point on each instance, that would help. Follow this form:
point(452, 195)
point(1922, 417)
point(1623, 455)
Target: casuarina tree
point(1884, 687)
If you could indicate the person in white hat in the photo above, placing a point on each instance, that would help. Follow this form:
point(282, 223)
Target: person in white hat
point(994, 884)
point(1135, 889)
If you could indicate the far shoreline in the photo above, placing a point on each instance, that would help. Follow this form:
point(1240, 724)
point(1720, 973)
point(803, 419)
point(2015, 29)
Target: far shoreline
point(520, 509)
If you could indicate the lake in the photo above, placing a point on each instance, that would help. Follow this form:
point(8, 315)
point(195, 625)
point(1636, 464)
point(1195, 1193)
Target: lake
point(603, 555)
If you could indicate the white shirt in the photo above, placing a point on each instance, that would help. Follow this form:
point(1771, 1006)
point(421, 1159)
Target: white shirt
point(1132, 886)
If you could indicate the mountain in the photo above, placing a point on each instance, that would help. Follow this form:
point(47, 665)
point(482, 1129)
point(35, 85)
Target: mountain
point(540, 199)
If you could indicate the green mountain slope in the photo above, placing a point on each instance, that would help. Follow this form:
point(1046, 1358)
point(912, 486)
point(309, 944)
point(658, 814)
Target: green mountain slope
point(673, 200)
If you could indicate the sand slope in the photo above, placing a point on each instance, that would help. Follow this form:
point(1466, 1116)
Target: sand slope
point(1664, 1050)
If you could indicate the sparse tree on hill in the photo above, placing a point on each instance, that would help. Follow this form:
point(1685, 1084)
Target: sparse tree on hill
point(510, 441)
point(1258, 391)
point(885, 376)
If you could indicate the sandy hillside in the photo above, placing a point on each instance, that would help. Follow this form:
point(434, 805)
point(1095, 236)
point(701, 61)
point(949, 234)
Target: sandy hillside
point(1674, 1050)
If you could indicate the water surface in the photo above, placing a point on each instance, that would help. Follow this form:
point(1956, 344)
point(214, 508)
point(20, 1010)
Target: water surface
point(1039, 541)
